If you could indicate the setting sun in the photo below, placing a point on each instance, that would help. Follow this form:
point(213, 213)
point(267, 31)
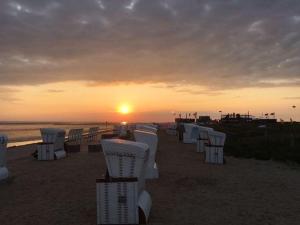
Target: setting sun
point(124, 109)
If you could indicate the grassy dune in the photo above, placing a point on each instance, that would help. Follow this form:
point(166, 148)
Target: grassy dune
point(279, 141)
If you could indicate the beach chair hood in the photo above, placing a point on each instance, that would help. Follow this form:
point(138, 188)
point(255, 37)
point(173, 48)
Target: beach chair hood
point(125, 158)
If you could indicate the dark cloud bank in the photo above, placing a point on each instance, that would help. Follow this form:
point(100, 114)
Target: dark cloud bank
point(218, 44)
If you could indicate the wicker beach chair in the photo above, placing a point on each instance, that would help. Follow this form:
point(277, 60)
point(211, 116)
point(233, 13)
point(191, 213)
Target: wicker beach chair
point(214, 148)
point(93, 141)
point(52, 146)
point(148, 128)
point(3, 168)
point(151, 140)
point(200, 133)
point(121, 196)
point(74, 140)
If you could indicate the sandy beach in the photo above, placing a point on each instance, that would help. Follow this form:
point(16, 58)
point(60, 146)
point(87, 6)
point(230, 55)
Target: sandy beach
point(63, 192)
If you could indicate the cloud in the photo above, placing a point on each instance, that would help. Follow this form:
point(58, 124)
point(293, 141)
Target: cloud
point(8, 95)
point(189, 89)
point(214, 44)
point(55, 91)
point(292, 98)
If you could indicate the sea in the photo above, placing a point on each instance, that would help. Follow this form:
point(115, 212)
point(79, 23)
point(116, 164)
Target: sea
point(23, 133)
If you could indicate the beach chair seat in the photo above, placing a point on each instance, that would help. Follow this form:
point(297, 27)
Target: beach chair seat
point(151, 140)
point(74, 140)
point(3, 150)
point(52, 146)
point(214, 148)
point(93, 142)
point(148, 128)
point(121, 195)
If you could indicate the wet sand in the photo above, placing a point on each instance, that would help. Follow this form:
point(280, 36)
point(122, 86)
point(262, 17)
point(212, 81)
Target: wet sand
point(63, 192)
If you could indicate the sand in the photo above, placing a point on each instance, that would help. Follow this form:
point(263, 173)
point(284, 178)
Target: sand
point(244, 191)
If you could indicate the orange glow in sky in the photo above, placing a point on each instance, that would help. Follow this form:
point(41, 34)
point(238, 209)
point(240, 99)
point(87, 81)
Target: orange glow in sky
point(148, 102)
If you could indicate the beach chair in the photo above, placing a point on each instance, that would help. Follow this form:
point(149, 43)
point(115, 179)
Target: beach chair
point(93, 142)
point(3, 168)
point(188, 138)
point(121, 195)
point(214, 148)
point(52, 146)
point(74, 140)
point(151, 140)
point(146, 128)
point(200, 133)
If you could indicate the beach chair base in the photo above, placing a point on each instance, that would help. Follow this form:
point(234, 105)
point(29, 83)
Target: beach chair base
point(201, 145)
point(94, 148)
point(45, 151)
point(72, 148)
point(118, 202)
point(152, 173)
point(3, 173)
point(214, 155)
point(188, 140)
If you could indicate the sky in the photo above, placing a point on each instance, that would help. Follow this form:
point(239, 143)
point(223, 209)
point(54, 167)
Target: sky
point(74, 60)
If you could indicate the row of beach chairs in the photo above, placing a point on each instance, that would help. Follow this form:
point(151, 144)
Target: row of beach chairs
point(207, 140)
point(55, 145)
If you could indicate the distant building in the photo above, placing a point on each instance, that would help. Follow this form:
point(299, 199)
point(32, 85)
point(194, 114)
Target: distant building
point(184, 120)
point(236, 118)
point(204, 119)
point(245, 118)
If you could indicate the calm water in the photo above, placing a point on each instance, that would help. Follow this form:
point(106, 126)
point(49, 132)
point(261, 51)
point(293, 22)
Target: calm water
point(26, 133)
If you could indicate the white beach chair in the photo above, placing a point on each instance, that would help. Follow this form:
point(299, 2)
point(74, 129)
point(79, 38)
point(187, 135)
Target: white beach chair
point(151, 140)
point(121, 196)
point(74, 140)
point(214, 148)
point(146, 128)
point(188, 137)
point(52, 146)
point(3, 168)
point(200, 133)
